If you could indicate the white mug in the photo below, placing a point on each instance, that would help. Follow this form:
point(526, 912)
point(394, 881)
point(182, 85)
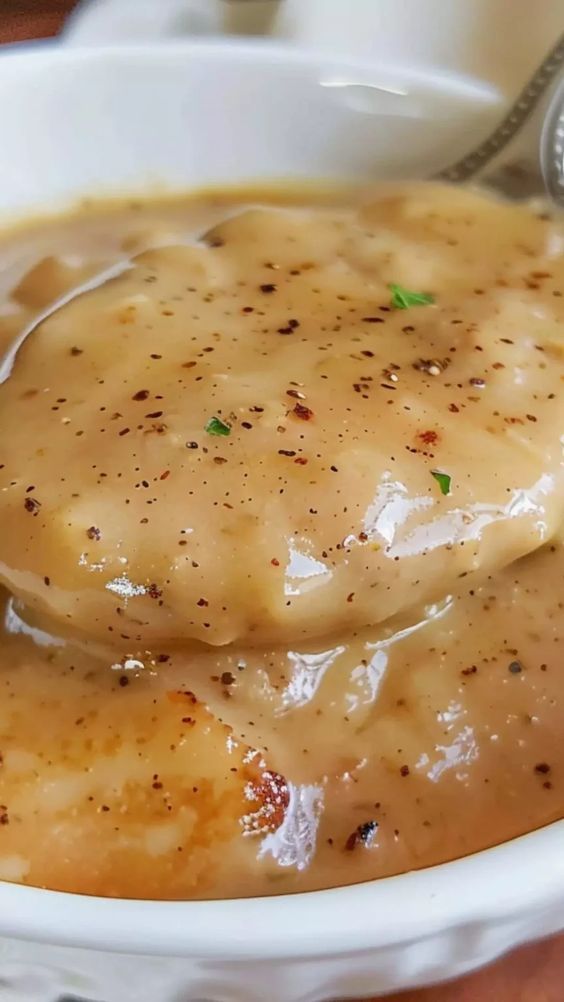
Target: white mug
point(496, 41)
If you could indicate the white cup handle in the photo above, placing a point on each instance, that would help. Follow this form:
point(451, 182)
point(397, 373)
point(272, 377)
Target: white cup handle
point(102, 22)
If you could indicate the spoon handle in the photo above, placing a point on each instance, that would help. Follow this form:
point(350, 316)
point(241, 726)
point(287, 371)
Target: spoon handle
point(521, 109)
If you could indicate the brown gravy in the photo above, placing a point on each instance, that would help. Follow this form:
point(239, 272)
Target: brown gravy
point(280, 508)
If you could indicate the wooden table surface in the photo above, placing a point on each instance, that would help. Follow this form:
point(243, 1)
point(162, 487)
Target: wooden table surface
point(534, 973)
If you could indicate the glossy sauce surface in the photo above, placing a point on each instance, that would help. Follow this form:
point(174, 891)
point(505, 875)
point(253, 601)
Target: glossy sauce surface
point(280, 503)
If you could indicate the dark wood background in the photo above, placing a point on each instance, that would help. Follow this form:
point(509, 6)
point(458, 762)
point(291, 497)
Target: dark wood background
point(22, 19)
point(532, 974)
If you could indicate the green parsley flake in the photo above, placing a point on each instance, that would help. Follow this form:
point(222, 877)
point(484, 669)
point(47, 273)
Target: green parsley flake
point(443, 480)
point(402, 298)
point(216, 426)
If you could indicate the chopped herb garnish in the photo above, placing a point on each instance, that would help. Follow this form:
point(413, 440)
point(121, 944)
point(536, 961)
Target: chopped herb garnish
point(216, 426)
point(443, 481)
point(402, 298)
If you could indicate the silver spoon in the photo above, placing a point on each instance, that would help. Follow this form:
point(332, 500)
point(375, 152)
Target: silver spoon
point(495, 161)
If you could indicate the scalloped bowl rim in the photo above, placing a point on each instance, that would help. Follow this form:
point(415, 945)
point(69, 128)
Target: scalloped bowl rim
point(488, 886)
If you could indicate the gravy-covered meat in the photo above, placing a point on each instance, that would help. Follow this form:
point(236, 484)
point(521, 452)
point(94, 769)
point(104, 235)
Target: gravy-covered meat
point(313, 420)
point(281, 500)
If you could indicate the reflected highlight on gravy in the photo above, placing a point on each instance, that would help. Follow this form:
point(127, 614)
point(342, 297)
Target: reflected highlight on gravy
point(280, 505)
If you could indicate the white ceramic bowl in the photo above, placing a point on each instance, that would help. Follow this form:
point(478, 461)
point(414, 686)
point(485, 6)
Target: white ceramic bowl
point(96, 120)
